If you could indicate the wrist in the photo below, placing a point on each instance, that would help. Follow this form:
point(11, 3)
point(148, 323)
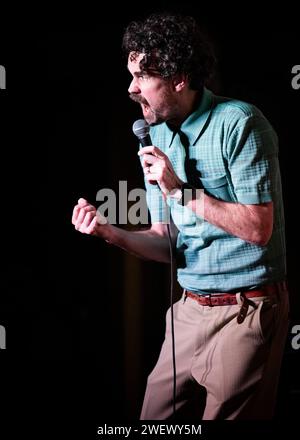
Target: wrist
point(184, 193)
point(105, 231)
point(176, 192)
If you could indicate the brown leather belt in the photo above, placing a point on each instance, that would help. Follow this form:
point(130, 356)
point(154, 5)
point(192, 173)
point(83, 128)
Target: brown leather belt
point(225, 299)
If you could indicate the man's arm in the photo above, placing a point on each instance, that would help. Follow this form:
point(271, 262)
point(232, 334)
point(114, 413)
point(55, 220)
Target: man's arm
point(253, 223)
point(150, 244)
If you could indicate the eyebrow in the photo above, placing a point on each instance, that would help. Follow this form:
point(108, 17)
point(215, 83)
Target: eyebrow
point(144, 72)
point(135, 73)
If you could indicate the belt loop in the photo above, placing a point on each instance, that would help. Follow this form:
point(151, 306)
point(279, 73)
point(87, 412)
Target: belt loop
point(245, 303)
point(244, 308)
point(184, 296)
point(239, 298)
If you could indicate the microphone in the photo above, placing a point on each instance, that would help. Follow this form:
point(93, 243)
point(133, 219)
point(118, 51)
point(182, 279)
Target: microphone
point(141, 129)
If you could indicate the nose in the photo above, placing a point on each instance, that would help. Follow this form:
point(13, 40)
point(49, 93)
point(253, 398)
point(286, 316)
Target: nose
point(133, 87)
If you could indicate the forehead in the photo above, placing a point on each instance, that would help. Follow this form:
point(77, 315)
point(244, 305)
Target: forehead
point(134, 61)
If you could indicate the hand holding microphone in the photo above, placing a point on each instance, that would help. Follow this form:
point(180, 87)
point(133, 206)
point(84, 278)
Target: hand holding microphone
point(156, 165)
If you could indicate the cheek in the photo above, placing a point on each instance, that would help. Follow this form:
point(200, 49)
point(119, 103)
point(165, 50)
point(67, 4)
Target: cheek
point(147, 97)
point(146, 93)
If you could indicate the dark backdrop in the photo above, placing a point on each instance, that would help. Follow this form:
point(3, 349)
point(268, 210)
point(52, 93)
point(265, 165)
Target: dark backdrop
point(84, 320)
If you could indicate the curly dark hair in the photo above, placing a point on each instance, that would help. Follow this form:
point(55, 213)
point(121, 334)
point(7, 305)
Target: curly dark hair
point(172, 44)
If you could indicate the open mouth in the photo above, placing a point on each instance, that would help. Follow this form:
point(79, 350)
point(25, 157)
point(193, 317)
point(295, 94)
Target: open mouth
point(145, 108)
point(144, 104)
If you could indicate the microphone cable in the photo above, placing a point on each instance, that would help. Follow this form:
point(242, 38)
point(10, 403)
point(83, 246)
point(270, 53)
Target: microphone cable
point(172, 317)
point(141, 129)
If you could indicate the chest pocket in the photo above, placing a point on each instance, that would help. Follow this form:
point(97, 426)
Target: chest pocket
point(218, 187)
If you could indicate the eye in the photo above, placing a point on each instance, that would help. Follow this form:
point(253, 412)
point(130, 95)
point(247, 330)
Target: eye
point(143, 76)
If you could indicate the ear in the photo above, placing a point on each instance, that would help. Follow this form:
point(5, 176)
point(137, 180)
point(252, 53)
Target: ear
point(179, 82)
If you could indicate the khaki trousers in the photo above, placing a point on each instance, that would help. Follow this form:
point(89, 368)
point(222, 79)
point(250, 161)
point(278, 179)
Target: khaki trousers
point(225, 370)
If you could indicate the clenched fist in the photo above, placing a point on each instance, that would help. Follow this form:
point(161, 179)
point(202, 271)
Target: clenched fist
point(87, 220)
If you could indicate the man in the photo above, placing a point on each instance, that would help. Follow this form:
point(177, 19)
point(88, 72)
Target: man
point(231, 323)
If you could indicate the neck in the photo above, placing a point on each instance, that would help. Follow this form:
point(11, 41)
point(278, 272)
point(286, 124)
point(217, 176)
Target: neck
point(189, 103)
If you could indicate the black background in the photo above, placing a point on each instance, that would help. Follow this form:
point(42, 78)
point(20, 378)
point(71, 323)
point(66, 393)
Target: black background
point(85, 321)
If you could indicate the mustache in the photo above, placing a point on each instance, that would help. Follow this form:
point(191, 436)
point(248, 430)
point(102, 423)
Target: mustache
point(137, 98)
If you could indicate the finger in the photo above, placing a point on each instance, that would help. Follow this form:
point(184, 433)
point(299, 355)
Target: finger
point(159, 169)
point(82, 202)
point(146, 170)
point(75, 214)
point(148, 159)
point(152, 176)
point(145, 150)
point(100, 218)
point(82, 214)
point(92, 227)
point(152, 150)
point(89, 217)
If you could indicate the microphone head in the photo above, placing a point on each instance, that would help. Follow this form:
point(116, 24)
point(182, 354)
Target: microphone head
point(141, 128)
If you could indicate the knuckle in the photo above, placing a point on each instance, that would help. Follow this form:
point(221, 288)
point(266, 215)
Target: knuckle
point(101, 220)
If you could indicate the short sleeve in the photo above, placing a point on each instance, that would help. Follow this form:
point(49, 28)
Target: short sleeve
point(252, 154)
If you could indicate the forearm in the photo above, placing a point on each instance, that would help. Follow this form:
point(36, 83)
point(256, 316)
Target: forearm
point(146, 244)
point(252, 223)
point(150, 244)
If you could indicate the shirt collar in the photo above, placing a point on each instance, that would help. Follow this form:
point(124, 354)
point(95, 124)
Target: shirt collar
point(195, 123)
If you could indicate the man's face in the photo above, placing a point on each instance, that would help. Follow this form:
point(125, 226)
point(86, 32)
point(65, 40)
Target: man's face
point(155, 94)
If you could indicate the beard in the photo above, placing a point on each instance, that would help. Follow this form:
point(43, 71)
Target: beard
point(152, 116)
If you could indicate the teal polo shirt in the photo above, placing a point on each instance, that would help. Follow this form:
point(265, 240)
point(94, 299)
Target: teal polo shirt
point(234, 152)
